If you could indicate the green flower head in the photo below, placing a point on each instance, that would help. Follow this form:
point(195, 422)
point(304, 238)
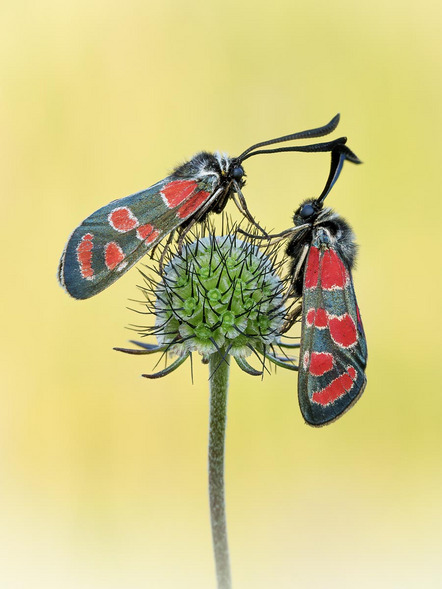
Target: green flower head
point(217, 294)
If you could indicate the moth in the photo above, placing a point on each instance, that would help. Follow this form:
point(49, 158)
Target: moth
point(333, 347)
point(113, 238)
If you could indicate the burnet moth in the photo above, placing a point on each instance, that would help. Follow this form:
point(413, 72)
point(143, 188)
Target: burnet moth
point(333, 348)
point(116, 236)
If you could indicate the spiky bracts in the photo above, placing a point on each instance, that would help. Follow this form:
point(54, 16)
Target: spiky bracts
point(221, 292)
point(217, 294)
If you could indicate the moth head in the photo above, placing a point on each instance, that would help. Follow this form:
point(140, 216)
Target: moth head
point(238, 172)
point(307, 212)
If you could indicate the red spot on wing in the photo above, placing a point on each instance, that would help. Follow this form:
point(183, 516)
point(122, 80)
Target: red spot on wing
point(333, 272)
point(320, 363)
point(336, 389)
point(122, 219)
point(147, 233)
point(193, 204)
point(152, 236)
point(343, 330)
point(144, 231)
point(312, 270)
point(84, 255)
point(175, 192)
point(321, 318)
point(317, 317)
point(113, 255)
point(310, 318)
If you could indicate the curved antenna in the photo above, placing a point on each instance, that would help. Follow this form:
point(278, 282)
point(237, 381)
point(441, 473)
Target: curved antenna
point(318, 132)
point(338, 157)
point(325, 146)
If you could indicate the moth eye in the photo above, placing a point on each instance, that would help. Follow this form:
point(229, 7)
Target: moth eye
point(306, 211)
point(238, 172)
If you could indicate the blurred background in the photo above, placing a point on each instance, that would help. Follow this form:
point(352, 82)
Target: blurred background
point(103, 473)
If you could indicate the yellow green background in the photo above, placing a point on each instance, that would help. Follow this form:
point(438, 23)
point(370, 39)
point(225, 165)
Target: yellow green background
point(103, 473)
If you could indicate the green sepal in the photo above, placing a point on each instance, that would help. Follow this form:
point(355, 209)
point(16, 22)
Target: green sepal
point(146, 349)
point(245, 366)
point(169, 369)
point(282, 363)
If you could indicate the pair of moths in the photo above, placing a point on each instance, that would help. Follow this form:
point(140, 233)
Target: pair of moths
point(321, 247)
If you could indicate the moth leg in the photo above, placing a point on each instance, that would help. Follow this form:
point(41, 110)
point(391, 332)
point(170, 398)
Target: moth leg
point(277, 237)
point(295, 274)
point(183, 232)
point(153, 250)
point(165, 251)
point(301, 261)
point(197, 218)
point(292, 317)
point(242, 207)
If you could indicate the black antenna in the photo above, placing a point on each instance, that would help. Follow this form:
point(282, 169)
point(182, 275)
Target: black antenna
point(338, 156)
point(326, 146)
point(319, 132)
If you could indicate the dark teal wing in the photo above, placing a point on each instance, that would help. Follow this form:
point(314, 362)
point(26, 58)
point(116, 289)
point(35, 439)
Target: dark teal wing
point(333, 353)
point(114, 238)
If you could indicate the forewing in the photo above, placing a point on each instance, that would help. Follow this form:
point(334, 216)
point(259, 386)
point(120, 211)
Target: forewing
point(114, 238)
point(333, 353)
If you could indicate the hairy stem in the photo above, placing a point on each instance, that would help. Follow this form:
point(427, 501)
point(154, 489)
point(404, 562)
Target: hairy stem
point(219, 366)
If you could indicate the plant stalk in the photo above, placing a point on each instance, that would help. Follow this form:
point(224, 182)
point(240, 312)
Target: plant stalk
point(219, 366)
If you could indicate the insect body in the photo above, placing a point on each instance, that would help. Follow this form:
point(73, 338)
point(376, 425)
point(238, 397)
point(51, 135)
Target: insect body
point(333, 351)
point(115, 237)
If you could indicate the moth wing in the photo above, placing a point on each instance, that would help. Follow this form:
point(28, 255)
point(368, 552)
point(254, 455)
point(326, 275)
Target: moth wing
point(116, 236)
point(333, 353)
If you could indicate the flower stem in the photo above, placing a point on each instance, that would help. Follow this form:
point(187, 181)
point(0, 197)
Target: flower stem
point(219, 365)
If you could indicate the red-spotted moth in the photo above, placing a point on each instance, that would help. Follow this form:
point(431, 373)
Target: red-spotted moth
point(116, 236)
point(333, 350)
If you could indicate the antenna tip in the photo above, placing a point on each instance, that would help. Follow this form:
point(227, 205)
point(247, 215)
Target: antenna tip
point(334, 122)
